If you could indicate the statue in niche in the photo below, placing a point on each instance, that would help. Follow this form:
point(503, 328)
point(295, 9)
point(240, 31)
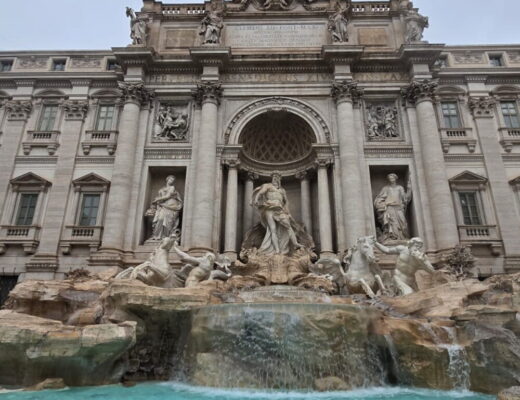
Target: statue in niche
point(411, 258)
point(172, 124)
point(382, 122)
point(212, 24)
point(271, 201)
point(390, 206)
point(338, 23)
point(166, 209)
point(138, 28)
point(415, 25)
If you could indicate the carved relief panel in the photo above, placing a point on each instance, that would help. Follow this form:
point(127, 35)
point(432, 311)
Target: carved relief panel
point(172, 122)
point(382, 121)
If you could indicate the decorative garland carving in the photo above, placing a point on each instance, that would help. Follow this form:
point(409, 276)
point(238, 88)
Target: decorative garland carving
point(482, 106)
point(207, 91)
point(419, 90)
point(346, 90)
point(136, 92)
point(276, 102)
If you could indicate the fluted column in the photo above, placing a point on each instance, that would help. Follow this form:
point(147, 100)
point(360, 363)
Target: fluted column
point(230, 238)
point(305, 198)
point(248, 209)
point(483, 110)
point(421, 93)
point(346, 93)
point(207, 95)
point(134, 96)
point(325, 220)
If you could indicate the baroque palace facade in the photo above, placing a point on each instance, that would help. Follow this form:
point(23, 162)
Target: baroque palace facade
point(333, 96)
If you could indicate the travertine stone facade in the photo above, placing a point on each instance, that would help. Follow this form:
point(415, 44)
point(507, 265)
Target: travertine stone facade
point(334, 97)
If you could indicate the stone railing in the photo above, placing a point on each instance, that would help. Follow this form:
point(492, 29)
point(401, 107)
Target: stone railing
point(478, 232)
point(47, 139)
point(87, 236)
point(26, 236)
point(372, 8)
point(509, 137)
point(454, 136)
point(183, 9)
point(107, 139)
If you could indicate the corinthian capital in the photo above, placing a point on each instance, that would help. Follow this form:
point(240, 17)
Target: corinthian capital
point(75, 109)
point(482, 107)
point(18, 109)
point(419, 90)
point(207, 91)
point(346, 90)
point(135, 92)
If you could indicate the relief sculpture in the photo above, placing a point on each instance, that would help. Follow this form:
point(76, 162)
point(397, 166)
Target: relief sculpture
point(382, 122)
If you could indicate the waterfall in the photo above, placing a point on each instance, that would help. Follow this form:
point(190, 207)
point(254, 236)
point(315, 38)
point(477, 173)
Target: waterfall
point(395, 358)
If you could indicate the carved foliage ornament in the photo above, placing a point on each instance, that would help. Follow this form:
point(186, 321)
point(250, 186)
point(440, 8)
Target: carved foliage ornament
point(18, 109)
point(136, 92)
point(75, 109)
point(419, 90)
point(482, 106)
point(207, 91)
point(346, 90)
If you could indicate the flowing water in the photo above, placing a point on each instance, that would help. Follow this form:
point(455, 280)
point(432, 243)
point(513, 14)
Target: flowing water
point(176, 391)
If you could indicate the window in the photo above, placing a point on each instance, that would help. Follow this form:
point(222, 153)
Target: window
point(442, 62)
point(26, 208)
point(89, 209)
point(105, 118)
point(496, 60)
point(58, 65)
point(450, 115)
point(7, 283)
point(48, 117)
point(470, 208)
point(112, 65)
point(6, 65)
point(510, 114)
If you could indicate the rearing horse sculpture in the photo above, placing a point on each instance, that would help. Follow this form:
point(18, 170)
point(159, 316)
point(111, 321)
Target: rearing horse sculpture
point(363, 275)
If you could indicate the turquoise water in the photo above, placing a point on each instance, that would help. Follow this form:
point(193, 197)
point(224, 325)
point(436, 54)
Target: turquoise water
point(177, 391)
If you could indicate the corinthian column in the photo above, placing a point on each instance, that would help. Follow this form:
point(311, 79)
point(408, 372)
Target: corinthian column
point(305, 198)
point(325, 220)
point(483, 110)
point(248, 196)
point(207, 95)
point(346, 93)
point(134, 95)
point(230, 239)
point(421, 93)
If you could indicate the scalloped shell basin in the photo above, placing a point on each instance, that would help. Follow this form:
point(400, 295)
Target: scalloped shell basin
point(177, 391)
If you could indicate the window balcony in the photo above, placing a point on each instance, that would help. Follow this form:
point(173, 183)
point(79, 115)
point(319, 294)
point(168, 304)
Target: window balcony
point(486, 235)
point(509, 137)
point(453, 136)
point(26, 236)
point(48, 139)
point(85, 236)
point(107, 139)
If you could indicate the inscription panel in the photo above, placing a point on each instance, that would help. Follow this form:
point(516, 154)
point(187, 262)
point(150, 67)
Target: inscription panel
point(276, 35)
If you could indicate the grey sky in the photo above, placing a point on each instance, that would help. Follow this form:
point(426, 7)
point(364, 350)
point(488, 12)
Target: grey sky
point(101, 24)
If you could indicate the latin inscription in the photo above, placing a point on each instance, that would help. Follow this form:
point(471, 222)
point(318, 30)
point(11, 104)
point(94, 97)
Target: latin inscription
point(275, 35)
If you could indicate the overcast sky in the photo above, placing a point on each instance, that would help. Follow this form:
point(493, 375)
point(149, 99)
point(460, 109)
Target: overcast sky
point(101, 24)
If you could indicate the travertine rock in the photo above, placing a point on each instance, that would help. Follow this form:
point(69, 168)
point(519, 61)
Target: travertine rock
point(513, 393)
point(330, 383)
point(48, 384)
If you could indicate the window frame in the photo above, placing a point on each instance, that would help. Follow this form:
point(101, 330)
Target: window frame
point(98, 114)
point(457, 108)
point(496, 56)
point(80, 208)
point(18, 208)
point(46, 105)
point(514, 102)
point(58, 61)
point(479, 215)
point(6, 62)
point(87, 184)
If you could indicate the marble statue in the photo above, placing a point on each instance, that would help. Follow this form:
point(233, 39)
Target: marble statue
point(338, 23)
point(330, 268)
point(415, 25)
point(271, 202)
point(382, 122)
point(156, 271)
point(411, 258)
point(138, 28)
point(212, 25)
point(173, 125)
point(165, 209)
point(390, 205)
point(363, 275)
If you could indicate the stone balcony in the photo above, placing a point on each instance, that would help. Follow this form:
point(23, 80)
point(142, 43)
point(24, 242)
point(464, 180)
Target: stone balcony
point(107, 139)
point(482, 234)
point(81, 236)
point(509, 137)
point(25, 236)
point(47, 139)
point(454, 136)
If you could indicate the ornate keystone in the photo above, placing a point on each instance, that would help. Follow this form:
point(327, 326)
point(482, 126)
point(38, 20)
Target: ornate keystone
point(18, 110)
point(75, 109)
point(207, 91)
point(482, 107)
point(419, 90)
point(346, 90)
point(135, 92)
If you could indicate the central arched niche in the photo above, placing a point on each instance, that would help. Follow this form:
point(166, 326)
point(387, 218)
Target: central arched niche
point(277, 137)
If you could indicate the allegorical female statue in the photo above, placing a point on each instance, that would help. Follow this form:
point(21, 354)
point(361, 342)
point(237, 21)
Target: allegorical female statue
point(271, 201)
point(211, 26)
point(166, 208)
point(138, 28)
point(338, 23)
point(390, 205)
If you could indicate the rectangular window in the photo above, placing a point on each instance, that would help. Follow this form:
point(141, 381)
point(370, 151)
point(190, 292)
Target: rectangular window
point(48, 117)
point(112, 65)
point(105, 118)
point(450, 114)
point(58, 65)
point(510, 114)
point(7, 283)
point(6, 65)
point(89, 209)
point(470, 208)
point(26, 208)
point(496, 61)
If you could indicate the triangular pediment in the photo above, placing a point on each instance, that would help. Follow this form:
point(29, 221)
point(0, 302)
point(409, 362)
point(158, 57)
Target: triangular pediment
point(29, 179)
point(91, 179)
point(468, 177)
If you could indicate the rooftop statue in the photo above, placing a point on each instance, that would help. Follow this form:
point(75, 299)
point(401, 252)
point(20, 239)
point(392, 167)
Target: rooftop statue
point(138, 28)
point(415, 25)
point(212, 24)
point(338, 22)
